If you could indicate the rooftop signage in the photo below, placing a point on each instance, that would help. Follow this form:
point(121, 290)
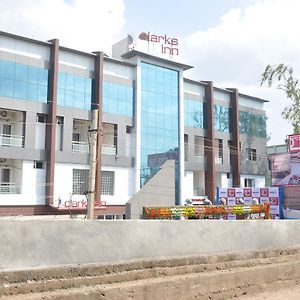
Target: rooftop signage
point(166, 43)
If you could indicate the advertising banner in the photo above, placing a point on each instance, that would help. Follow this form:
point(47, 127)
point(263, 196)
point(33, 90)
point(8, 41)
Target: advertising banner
point(249, 196)
point(285, 169)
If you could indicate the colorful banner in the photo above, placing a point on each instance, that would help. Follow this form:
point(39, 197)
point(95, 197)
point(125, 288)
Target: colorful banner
point(200, 212)
point(251, 196)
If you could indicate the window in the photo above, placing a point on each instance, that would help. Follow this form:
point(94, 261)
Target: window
point(249, 182)
point(193, 113)
point(74, 91)
point(110, 139)
point(41, 118)
point(107, 186)
point(80, 181)
point(23, 81)
point(118, 99)
point(222, 116)
point(5, 175)
point(76, 137)
point(251, 154)
point(186, 147)
point(60, 120)
point(6, 129)
point(38, 165)
point(111, 217)
point(219, 151)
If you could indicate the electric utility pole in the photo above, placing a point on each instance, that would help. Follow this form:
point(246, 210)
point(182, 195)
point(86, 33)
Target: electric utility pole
point(93, 164)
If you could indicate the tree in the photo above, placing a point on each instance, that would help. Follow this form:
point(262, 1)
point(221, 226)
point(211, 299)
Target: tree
point(283, 74)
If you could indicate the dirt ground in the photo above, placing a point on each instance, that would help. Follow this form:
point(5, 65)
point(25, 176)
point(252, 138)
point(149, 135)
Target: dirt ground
point(272, 274)
point(287, 293)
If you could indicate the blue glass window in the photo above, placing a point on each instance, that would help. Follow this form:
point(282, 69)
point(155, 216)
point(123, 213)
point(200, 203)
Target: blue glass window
point(117, 99)
point(193, 113)
point(74, 91)
point(222, 117)
point(252, 124)
point(159, 121)
point(23, 81)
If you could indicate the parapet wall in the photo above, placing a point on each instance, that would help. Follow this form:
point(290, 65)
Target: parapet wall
point(38, 243)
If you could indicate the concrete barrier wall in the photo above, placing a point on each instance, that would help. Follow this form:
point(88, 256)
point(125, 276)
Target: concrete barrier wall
point(36, 243)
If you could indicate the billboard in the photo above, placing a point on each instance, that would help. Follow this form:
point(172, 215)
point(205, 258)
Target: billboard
point(285, 169)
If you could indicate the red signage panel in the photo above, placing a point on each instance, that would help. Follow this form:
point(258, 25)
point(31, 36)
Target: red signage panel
point(294, 142)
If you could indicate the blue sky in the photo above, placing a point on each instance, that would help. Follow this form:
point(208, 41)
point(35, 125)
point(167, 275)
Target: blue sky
point(227, 41)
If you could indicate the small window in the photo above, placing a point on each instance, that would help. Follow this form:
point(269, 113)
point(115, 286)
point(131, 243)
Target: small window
point(80, 181)
point(249, 182)
point(38, 165)
point(5, 175)
point(41, 118)
point(109, 217)
point(100, 217)
point(76, 137)
point(251, 154)
point(107, 183)
point(60, 120)
point(128, 129)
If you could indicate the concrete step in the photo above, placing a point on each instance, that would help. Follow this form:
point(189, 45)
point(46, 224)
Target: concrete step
point(221, 275)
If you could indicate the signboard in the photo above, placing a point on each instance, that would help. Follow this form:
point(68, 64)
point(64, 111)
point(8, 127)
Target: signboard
point(250, 196)
point(80, 204)
point(294, 142)
point(285, 169)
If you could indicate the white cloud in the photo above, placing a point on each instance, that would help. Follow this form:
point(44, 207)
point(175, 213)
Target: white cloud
point(88, 25)
point(235, 53)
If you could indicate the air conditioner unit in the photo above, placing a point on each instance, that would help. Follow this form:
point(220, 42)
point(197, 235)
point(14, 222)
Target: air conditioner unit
point(3, 113)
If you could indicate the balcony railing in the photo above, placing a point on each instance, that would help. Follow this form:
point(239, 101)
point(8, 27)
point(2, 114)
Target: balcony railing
point(218, 160)
point(199, 158)
point(8, 140)
point(9, 188)
point(109, 149)
point(83, 147)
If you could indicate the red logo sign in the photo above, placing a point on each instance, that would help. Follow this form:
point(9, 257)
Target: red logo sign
point(264, 192)
point(294, 142)
point(231, 192)
point(247, 192)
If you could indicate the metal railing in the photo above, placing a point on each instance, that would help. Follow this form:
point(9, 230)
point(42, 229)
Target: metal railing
point(109, 149)
point(9, 188)
point(9, 140)
point(199, 158)
point(83, 147)
point(80, 147)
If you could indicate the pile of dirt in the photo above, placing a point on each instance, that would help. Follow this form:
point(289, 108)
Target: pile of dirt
point(219, 276)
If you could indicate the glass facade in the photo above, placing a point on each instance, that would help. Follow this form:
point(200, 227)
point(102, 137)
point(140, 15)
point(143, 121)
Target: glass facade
point(194, 113)
point(74, 91)
point(159, 119)
point(117, 99)
point(23, 81)
point(252, 124)
point(222, 116)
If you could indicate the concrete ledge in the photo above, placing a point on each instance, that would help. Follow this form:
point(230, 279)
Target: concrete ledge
point(41, 243)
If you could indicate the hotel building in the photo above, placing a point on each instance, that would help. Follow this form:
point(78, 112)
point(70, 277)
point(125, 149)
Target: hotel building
point(149, 112)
